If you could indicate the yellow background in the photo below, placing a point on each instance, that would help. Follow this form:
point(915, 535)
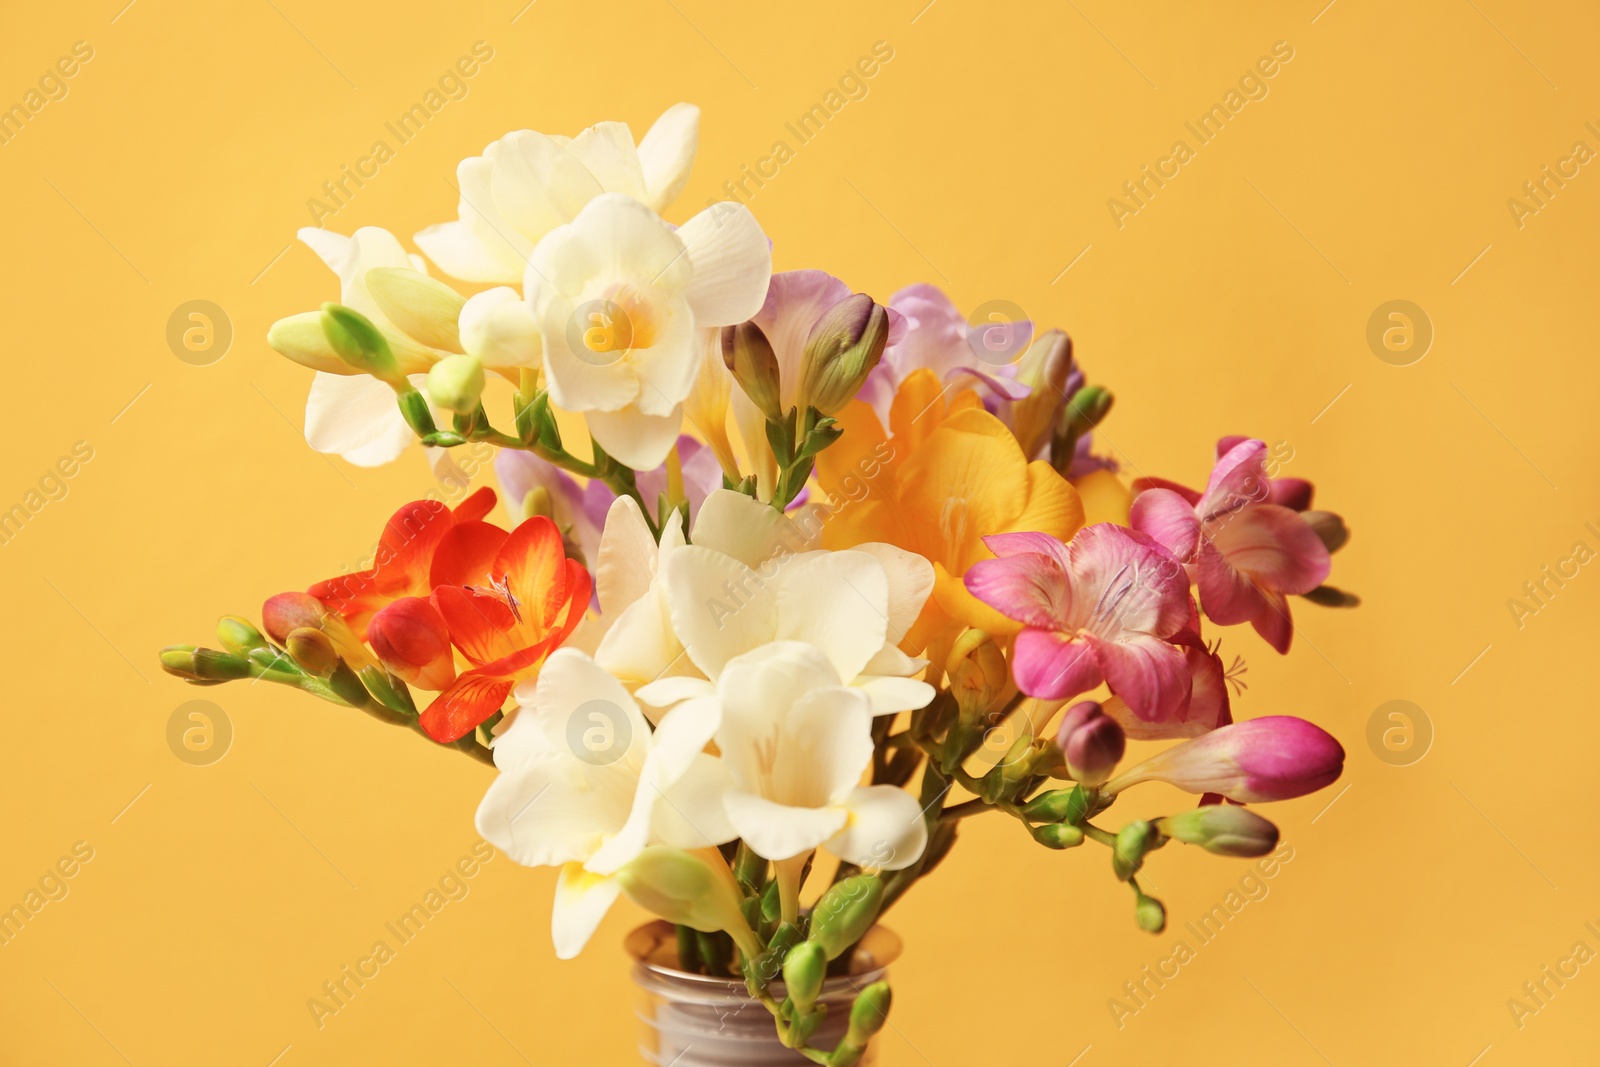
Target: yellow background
point(982, 158)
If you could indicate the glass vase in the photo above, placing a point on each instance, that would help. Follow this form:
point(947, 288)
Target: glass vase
point(694, 1020)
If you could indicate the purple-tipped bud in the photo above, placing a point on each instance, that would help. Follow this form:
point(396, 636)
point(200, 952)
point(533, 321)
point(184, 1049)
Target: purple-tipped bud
point(1092, 742)
point(754, 365)
point(1277, 757)
point(844, 346)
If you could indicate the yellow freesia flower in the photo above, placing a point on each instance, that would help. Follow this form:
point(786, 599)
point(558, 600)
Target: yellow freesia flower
point(946, 475)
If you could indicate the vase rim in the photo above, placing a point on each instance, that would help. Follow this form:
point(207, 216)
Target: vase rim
point(654, 948)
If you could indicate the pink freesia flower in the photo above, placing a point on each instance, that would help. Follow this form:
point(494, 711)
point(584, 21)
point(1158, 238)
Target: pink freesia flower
point(1102, 608)
point(1277, 757)
point(937, 336)
point(1243, 539)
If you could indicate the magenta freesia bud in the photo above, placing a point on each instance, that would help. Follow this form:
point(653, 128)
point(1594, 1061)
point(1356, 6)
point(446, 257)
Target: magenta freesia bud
point(1272, 758)
point(1092, 742)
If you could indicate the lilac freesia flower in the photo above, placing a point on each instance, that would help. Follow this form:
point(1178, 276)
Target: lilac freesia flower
point(1103, 608)
point(937, 336)
point(1277, 757)
point(1244, 538)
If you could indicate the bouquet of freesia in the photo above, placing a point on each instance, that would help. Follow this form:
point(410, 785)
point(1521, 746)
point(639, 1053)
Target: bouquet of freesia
point(753, 641)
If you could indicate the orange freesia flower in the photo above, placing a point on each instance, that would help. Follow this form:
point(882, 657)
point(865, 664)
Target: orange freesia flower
point(404, 559)
point(947, 475)
point(532, 598)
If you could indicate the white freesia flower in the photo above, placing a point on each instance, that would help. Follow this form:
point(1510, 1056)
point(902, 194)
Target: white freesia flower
point(527, 183)
point(751, 576)
point(795, 743)
point(624, 302)
point(585, 785)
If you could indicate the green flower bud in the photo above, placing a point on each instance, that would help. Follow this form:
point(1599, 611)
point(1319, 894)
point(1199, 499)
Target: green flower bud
point(207, 664)
point(414, 409)
point(456, 383)
point(804, 968)
point(238, 635)
point(1058, 835)
point(1087, 409)
point(683, 888)
point(1027, 758)
point(302, 339)
point(312, 650)
point(358, 342)
point(1133, 841)
point(1150, 914)
point(754, 365)
point(845, 912)
point(844, 346)
point(1051, 806)
point(868, 1014)
point(1226, 829)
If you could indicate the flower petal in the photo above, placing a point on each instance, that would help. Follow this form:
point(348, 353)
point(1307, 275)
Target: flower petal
point(746, 529)
point(667, 152)
point(1030, 588)
point(910, 584)
point(1168, 518)
point(1227, 595)
point(1274, 623)
point(469, 700)
point(480, 246)
point(1149, 674)
point(356, 418)
point(779, 831)
point(732, 261)
point(466, 554)
point(691, 813)
point(540, 817)
point(1238, 480)
point(639, 440)
point(607, 150)
point(665, 692)
point(1275, 548)
point(498, 327)
point(1052, 666)
point(720, 607)
point(836, 601)
point(627, 560)
point(582, 900)
point(886, 830)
